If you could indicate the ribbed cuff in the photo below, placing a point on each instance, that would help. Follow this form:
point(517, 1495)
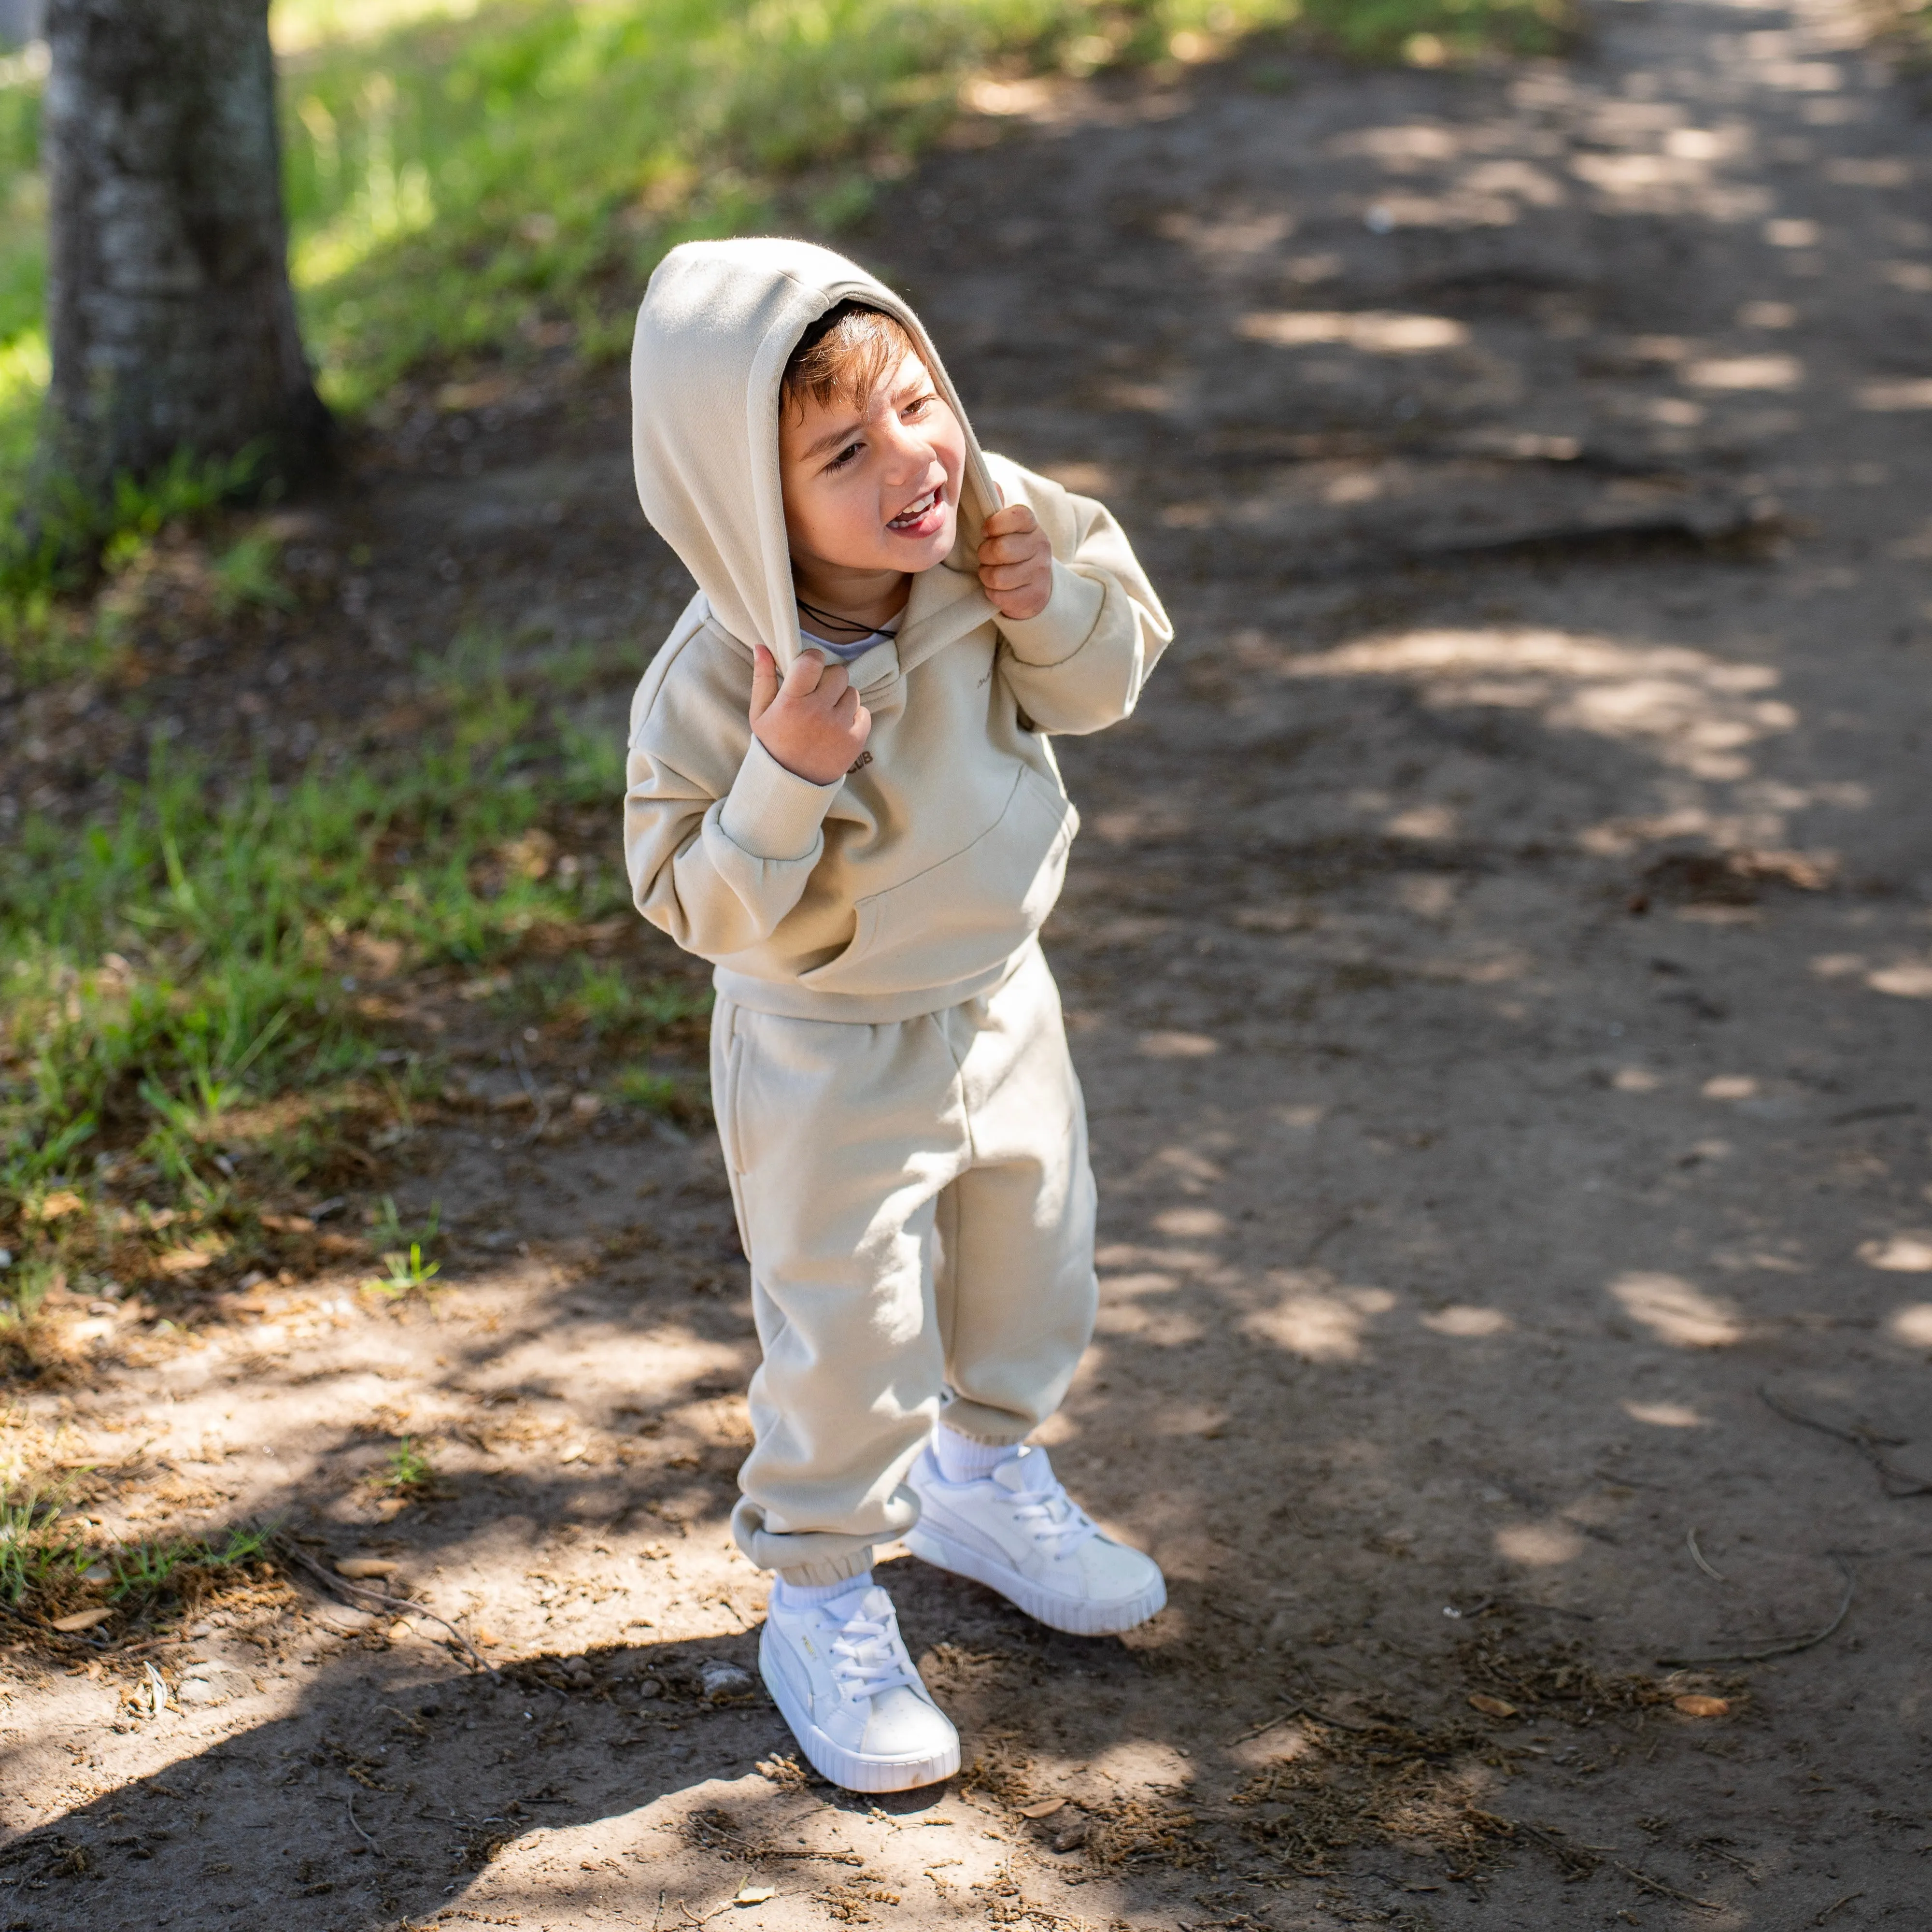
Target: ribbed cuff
point(772, 813)
point(1072, 610)
point(833, 1570)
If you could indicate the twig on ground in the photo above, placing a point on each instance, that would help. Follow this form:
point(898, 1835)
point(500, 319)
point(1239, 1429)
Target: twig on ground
point(1288, 1716)
point(1549, 1609)
point(1519, 1603)
point(359, 1832)
point(1897, 1483)
point(1627, 1482)
point(1698, 1557)
point(1568, 1852)
point(1327, 1234)
point(1789, 1649)
point(1840, 1906)
point(402, 1605)
point(1716, 1851)
point(1885, 1110)
point(530, 1087)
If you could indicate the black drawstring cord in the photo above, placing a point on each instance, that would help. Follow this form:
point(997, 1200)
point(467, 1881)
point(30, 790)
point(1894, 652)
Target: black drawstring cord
point(838, 623)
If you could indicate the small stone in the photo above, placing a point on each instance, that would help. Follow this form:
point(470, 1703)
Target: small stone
point(359, 1567)
point(717, 1678)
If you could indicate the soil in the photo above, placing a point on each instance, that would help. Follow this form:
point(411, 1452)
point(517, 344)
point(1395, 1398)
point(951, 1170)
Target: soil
point(1498, 956)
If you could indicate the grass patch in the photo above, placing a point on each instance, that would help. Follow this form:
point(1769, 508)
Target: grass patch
point(142, 1574)
point(407, 1470)
point(53, 1580)
point(40, 1554)
point(505, 184)
point(1437, 33)
point(665, 1095)
point(201, 993)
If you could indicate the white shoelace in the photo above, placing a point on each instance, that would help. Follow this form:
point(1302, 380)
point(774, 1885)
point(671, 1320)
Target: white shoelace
point(1053, 1517)
point(869, 1658)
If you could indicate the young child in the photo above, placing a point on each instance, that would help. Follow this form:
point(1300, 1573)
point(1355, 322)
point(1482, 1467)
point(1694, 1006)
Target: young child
point(842, 792)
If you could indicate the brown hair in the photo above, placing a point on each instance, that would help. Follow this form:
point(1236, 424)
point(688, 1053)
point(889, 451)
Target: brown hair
point(850, 350)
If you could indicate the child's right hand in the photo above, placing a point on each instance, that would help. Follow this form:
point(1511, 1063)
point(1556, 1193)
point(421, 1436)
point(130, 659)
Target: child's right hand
point(813, 723)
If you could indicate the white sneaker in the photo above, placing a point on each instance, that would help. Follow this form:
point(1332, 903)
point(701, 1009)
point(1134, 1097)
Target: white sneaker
point(840, 1673)
point(1019, 1532)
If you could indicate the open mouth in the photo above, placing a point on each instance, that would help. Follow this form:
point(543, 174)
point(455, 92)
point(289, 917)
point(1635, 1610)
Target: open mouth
point(916, 512)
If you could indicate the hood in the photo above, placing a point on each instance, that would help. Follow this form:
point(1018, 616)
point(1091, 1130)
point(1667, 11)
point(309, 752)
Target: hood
point(717, 325)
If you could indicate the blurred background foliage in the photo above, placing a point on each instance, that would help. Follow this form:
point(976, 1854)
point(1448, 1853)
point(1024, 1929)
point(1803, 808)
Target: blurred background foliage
point(478, 177)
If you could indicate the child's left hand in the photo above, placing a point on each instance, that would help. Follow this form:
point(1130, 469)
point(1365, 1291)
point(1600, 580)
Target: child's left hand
point(1016, 563)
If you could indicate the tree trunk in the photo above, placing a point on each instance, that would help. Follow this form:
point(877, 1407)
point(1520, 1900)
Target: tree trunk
point(171, 322)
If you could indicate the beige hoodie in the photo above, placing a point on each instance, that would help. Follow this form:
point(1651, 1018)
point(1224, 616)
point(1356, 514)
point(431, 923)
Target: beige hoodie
point(917, 880)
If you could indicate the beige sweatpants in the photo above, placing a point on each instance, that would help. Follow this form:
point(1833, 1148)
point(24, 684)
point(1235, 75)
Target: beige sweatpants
point(916, 1201)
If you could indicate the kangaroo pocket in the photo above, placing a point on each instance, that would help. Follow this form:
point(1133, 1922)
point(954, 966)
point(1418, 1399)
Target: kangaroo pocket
point(968, 912)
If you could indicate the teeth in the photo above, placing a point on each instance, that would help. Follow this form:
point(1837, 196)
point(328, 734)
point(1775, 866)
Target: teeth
point(913, 510)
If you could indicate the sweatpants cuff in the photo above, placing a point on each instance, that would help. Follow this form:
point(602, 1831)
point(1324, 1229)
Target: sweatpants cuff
point(817, 1555)
point(997, 1429)
point(834, 1570)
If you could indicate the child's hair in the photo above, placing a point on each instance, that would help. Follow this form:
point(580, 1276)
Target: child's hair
point(849, 350)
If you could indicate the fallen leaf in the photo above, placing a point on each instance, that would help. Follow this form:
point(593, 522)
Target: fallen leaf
point(82, 1620)
point(366, 1566)
point(484, 1637)
point(65, 1202)
point(401, 1628)
point(183, 1260)
point(389, 1507)
point(755, 1895)
point(1697, 1706)
point(1045, 1808)
point(1491, 1707)
point(574, 1452)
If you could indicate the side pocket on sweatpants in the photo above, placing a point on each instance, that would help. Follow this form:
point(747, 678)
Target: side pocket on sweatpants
point(725, 1067)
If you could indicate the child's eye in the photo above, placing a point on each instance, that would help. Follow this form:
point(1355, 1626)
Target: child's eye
point(917, 408)
point(845, 456)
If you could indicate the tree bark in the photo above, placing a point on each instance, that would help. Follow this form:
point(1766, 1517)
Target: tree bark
point(171, 319)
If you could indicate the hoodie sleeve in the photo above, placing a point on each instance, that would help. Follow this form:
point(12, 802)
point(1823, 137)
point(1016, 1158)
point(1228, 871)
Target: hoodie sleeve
point(1080, 664)
point(719, 839)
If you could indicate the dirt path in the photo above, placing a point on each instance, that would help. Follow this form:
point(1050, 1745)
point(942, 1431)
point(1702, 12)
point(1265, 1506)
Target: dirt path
point(1500, 953)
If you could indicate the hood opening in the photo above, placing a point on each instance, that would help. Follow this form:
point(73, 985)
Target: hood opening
point(717, 325)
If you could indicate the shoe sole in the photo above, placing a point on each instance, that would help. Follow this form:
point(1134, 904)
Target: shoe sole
point(853, 1771)
point(1079, 1616)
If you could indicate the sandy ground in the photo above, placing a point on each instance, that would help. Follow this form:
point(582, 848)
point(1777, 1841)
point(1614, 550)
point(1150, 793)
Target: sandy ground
point(1499, 956)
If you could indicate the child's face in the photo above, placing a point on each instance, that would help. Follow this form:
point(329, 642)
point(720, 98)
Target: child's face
point(875, 488)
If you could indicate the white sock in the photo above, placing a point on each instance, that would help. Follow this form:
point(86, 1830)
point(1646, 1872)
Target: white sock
point(808, 1596)
point(961, 1459)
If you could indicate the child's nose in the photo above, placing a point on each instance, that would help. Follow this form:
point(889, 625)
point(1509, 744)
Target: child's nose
point(907, 453)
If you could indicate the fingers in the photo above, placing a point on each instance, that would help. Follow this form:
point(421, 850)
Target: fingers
point(1014, 550)
point(1014, 520)
point(1011, 576)
point(807, 670)
point(764, 681)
